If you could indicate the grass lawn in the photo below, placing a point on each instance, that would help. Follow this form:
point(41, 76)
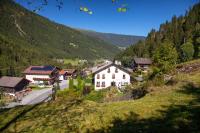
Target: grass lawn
point(166, 109)
point(74, 62)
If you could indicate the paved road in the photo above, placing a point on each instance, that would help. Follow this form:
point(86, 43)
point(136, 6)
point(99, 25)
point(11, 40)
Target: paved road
point(64, 84)
point(36, 96)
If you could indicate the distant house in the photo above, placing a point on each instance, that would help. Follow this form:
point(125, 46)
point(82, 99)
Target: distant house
point(110, 74)
point(41, 74)
point(13, 85)
point(142, 63)
point(71, 73)
point(62, 75)
point(65, 74)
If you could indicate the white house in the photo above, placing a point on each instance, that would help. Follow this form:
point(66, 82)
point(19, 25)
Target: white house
point(41, 74)
point(111, 74)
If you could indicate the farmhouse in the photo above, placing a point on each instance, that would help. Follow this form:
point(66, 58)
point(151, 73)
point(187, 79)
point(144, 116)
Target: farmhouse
point(111, 74)
point(12, 85)
point(142, 63)
point(41, 75)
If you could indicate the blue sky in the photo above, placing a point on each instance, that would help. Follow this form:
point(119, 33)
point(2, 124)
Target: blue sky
point(141, 17)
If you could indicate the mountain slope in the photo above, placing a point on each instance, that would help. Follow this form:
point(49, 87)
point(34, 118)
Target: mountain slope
point(53, 39)
point(115, 39)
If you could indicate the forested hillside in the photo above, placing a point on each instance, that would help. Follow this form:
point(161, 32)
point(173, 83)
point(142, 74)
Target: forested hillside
point(181, 34)
point(115, 39)
point(27, 38)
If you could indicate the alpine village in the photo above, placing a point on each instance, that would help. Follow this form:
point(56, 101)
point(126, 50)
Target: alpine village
point(55, 78)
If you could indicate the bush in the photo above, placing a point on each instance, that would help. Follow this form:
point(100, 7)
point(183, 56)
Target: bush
point(71, 84)
point(68, 94)
point(158, 80)
point(135, 92)
point(86, 90)
point(80, 83)
point(187, 51)
point(96, 96)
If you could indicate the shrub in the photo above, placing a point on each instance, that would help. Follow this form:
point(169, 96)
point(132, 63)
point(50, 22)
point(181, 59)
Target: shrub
point(135, 92)
point(158, 80)
point(68, 94)
point(96, 96)
point(80, 83)
point(155, 71)
point(71, 84)
point(86, 90)
point(187, 51)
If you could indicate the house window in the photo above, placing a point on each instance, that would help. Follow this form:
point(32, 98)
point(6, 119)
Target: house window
point(103, 76)
point(113, 76)
point(116, 70)
point(103, 84)
point(108, 70)
point(98, 76)
point(124, 76)
point(98, 84)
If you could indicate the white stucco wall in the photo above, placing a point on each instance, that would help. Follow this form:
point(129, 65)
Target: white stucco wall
point(61, 77)
point(119, 81)
point(30, 77)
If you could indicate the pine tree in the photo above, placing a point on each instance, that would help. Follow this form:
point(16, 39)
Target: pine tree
point(187, 51)
point(165, 57)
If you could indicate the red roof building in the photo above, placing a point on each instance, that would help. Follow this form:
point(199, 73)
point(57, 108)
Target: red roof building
point(41, 74)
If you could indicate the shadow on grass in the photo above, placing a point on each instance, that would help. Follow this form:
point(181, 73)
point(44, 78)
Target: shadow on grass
point(183, 118)
point(38, 111)
point(22, 113)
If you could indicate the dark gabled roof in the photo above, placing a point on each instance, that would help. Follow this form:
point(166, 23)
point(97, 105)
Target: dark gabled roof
point(10, 82)
point(39, 70)
point(143, 61)
point(70, 71)
point(111, 64)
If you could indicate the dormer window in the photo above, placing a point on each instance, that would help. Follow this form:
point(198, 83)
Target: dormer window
point(103, 76)
point(108, 70)
point(98, 76)
point(116, 70)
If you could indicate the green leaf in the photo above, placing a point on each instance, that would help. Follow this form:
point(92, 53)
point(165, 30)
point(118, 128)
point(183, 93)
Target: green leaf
point(119, 9)
point(85, 9)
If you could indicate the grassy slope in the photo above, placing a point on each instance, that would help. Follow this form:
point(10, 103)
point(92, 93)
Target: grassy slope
point(167, 109)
